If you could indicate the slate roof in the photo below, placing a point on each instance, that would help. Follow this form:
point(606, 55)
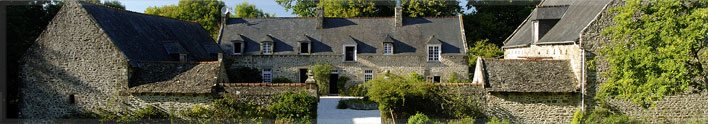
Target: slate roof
point(142, 37)
point(528, 76)
point(174, 77)
point(577, 14)
point(368, 33)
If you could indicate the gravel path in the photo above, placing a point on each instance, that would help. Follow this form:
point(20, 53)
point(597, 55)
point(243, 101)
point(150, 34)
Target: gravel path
point(327, 113)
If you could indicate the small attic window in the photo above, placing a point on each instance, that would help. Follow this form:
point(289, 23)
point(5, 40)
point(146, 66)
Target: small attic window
point(267, 45)
point(237, 47)
point(305, 45)
point(388, 45)
point(174, 49)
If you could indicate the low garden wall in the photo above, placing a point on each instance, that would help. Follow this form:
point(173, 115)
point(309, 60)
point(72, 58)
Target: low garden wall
point(263, 93)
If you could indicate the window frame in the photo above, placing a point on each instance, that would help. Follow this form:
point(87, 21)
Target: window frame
point(370, 74)
point(535, 30)
point(234, 46)
point(269, 72)
point(267, 48)
point(436, 55)
point(388, 50)
point(309, 48)
point(344, 52)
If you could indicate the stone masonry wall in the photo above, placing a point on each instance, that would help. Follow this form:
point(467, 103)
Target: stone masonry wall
point(288, 65)
point(533, 107)
point(72, 56)
point(263, 93)
point(677, 108)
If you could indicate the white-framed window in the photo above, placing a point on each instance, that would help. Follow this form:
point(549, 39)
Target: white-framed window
point(267, 75)
point(268, 48)
point(433, 79)
point(535, 30)
point(388, 48)
point(368, 75)
point(349, 53)
point(433, 52)
point(304, 48)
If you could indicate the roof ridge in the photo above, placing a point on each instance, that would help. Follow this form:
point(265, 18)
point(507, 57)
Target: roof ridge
point(123, 10)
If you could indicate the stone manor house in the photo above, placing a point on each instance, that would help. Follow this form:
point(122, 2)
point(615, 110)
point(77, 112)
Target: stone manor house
point(359, 48)
point(93, 56)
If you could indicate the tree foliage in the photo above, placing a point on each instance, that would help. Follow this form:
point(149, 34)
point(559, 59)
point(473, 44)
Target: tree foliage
point(244, 10)
point(111, 3)
point(205, 12)
point(364, 8)
point(495, 20)
point(321, 73)
point(656, 49)
point(300, 106)
point(482, 49)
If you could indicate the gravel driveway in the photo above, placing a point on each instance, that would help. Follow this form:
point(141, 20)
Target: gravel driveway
point(327, 113)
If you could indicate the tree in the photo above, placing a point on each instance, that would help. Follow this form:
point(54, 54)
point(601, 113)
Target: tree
point(655, 49)
point(115, 4)
point(206, 12)
point(364, 8)
point(244, 9)
point(482, 49)
point(321, 73)
point(495, 20)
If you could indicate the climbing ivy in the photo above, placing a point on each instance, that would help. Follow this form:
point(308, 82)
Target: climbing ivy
point(656, 49)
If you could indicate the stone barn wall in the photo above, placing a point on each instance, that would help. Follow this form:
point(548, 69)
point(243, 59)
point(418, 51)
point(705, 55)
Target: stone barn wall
point(72, 57)
point(288, 65)
point(677, 108)
point(263, 93)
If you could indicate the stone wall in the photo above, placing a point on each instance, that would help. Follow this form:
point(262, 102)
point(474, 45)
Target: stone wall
point(72, 57)
point(288, 65)
point(677, 108)
point(533, 107)
point(263, 93)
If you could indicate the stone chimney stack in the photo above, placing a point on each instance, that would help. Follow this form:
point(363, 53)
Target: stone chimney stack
point(319, 13)
point(399, 16)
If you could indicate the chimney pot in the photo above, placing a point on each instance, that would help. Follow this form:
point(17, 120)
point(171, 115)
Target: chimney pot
point(319, 13)
point(398, 16)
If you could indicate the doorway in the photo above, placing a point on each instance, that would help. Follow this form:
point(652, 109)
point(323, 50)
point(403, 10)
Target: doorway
point(303, 75)
point(333, 78)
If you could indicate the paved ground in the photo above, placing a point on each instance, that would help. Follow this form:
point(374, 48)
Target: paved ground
point(327, 113)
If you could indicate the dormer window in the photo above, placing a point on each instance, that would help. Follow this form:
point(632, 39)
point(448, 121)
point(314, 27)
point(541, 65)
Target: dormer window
point(237, 47)
point(433, 49)
point(305, 45)
point(175, 50)
point(544, 18)
point(267, 45)
point(388, 45)
point(349, 50)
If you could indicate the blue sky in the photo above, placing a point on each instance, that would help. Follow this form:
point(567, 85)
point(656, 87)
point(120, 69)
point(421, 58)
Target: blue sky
point(268, 6)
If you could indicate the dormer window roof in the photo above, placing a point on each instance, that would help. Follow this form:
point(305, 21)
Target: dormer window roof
point(305, 44)
point(544, 18)
point(433, 41)
point(173, 47)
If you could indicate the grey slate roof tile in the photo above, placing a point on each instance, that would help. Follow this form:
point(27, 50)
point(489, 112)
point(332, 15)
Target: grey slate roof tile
point(174, 77)
point(579, 14)
point(368, 33)
point(529, 76)
point(140, 37)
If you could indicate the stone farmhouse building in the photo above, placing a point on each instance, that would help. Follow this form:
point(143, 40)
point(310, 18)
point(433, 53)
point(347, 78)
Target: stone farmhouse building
point(359, 48)
point(543, 62)
point(92, 56)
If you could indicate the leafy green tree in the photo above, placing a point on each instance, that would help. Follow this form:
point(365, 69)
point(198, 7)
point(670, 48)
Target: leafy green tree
point(495, 19)
point(244, 10)
point(321, 73)
point(363, 8)
point(655, 49)
point(205, 12)
point(419, 118)
point(482, 49)
point(110, 3)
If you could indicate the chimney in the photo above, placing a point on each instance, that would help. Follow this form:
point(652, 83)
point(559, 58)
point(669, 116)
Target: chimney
point(319, 13)
point(399, 16)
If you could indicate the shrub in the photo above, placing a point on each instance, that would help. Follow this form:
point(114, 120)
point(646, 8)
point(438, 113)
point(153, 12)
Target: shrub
point(227, 110)
point(244, 75)
point(342, 104)
point(578, 117)
point(495, 120)
point(321, 74)
point(147, 113)
point(341, 82)
point(604, 116)
point(282, 80)
point(419, 118)
point(299, 105)
point(356, 90)
point(466, 120)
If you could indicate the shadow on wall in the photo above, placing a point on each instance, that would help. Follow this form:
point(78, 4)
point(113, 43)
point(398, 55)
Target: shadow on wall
point(157, 72)
point(46, 87)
